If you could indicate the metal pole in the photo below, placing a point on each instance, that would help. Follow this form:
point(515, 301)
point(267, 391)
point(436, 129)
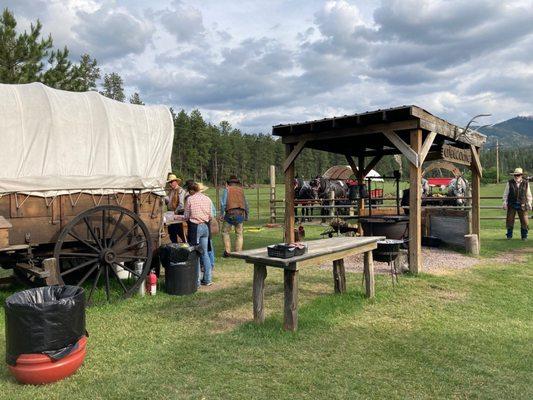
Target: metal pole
point(497, 161)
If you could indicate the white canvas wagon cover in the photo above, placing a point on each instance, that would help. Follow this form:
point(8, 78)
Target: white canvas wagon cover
point(54, 140)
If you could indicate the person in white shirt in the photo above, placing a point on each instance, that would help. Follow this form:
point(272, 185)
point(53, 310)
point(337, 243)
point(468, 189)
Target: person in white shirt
point(517, 199)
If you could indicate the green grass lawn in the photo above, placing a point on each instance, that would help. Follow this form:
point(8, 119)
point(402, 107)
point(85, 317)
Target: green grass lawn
point(467, 334)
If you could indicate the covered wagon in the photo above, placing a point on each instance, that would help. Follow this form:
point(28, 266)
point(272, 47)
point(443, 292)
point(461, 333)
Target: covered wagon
point(81, 187)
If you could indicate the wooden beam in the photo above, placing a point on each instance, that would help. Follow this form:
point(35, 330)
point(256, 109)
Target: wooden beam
point(351, 162)
point(349, 132)
point(415, 206)
point(407, 151)
point(289, 197)
point(476, 189)
point(426, 146)
point(371, 165)
point(475, 160)
point(429, 122)
point(294, 154)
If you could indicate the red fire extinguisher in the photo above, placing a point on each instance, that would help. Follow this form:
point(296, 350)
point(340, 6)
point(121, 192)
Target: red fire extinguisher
point(151, 283)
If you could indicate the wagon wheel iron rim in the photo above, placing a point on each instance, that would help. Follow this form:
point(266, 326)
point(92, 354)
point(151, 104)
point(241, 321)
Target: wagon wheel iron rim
point(100, 242)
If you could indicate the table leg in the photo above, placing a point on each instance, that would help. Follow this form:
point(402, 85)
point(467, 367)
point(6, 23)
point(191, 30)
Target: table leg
point(258, 292)
point(290, 322)
point(369, 274)
point(339, 276)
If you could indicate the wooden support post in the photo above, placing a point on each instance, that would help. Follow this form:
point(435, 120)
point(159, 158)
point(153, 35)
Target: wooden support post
point(50, 266)
point(472, 244)
point(290, 319)
point(258, 292)
point(339, 276)
point(272, 173)
point(368, 272)
point(476, 184)
point(415, 206)
point(289, 197)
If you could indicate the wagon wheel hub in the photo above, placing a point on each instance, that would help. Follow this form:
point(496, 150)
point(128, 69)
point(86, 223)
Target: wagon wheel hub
point(108, 256)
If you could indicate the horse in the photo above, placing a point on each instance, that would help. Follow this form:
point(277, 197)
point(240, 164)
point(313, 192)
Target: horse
point(457, 188)
point(322, 188)
point(303, 191)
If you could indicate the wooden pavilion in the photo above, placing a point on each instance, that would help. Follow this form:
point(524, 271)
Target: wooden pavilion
point(367, 137)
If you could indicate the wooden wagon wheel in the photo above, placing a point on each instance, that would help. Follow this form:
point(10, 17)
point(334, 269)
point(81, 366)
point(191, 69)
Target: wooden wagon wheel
point(100, 244)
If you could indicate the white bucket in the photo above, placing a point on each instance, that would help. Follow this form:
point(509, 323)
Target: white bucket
point(121, 272)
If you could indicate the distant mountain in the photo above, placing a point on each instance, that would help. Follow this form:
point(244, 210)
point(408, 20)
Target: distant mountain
point(514, 132)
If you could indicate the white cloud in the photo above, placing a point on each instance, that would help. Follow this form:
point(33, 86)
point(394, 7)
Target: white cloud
point(257, 64)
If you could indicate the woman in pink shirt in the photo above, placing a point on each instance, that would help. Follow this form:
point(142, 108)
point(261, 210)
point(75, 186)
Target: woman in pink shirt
point(198, 213)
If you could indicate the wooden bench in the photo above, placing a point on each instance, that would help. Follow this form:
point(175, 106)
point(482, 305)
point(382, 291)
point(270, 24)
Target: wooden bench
point(319, 252)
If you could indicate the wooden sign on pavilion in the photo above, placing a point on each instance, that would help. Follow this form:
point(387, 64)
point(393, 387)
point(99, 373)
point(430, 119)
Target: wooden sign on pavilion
point(365, 138)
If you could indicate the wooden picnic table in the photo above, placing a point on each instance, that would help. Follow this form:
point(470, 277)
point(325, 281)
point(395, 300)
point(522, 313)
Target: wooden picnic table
point(319, 251)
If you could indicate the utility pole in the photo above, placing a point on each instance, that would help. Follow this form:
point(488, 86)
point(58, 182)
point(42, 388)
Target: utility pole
point(497, 161)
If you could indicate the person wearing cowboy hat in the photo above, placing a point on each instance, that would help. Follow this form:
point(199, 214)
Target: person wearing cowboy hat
point(233, 211)
point(517, 199)
point(175, 201)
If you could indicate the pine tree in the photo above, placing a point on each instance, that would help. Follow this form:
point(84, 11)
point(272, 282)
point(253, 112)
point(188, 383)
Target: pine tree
point(136, 99)
point(86, 74)
point(60, 75)
point(113, 87)
point(21, 55)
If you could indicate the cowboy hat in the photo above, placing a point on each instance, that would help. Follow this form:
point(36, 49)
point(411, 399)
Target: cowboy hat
point(202, 187)
point(233, 179)
point(172, 177)
point(518, 171)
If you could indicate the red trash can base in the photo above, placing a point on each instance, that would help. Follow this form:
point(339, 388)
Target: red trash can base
point(38, 369)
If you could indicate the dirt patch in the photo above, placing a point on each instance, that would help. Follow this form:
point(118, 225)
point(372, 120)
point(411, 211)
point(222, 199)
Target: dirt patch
point(435, 261)
point(439, 261)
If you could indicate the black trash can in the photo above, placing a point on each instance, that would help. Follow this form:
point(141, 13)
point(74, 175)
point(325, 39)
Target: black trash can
point(179, 261)
point(48, 320)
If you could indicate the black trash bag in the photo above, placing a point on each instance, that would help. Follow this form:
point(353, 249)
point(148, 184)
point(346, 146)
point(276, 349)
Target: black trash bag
point(176, 253)
point(48, 320)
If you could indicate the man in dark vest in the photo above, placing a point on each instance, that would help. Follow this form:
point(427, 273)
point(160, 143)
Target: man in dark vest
point(234, 211)
point(517, 200)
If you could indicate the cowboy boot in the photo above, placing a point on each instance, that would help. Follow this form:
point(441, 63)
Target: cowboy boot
point(509, 233)
point(523, 233)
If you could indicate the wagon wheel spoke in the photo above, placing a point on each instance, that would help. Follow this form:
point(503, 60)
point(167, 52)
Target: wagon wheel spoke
point(107, 280)
point(104, 226)
point(131, 245)
point(78, 255)
point(135, 225)
point(83, 265)
point(116, 227)
point(91, 231)
point(119, 280)
point(80, 283)
point(127, 269)
point(132, 257)
point(79, 239)
point(95, 283)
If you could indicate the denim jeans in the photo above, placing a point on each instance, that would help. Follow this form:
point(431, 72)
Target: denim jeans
point(203, 241)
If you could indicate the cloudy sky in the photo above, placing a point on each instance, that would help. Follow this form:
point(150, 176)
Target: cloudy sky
point(260, 63)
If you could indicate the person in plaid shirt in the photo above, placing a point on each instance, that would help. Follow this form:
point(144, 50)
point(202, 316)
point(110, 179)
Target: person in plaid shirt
point(198, 213)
